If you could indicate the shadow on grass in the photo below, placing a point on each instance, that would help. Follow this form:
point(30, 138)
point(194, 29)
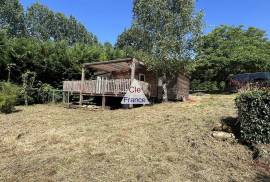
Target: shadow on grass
point(201, 92)
point(262, 177)
point(234, 125)
point(232, 122)
point(15, 111)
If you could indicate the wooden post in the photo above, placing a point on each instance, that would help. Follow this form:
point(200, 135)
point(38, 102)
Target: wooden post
point(9, 69)
point(82, 83)
point(53, 97)
point(68, 98)
point(64, 99)
point(103, 102)
point(132, 77)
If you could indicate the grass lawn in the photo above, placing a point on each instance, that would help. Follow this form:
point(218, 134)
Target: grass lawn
point(164, 142)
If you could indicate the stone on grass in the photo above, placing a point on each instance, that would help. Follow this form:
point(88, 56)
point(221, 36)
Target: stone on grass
point(223, 135)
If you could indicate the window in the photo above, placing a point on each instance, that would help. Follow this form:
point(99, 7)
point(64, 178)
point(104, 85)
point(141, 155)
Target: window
point(142, 77)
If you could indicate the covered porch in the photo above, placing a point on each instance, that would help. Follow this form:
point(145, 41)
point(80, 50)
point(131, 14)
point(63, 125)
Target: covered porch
point(110, 79)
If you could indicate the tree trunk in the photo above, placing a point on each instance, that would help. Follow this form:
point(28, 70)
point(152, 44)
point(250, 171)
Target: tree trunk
point(165, 90)
point(25, 99)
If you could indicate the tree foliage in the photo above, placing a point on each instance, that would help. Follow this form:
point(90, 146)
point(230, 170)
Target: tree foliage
point(167, 30)
point(134, 38)
point(4, 58)
point(48, 43)
point(8, 96)
point(52, 61)
point(12, 17)
point(227, 51)
point(165, 33)
point(44, 24)
point(28, 80)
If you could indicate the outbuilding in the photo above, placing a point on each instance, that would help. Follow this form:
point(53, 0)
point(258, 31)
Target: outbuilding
point(113, 78)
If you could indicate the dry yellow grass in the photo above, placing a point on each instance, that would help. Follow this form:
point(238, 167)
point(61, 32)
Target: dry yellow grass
point(164, 142)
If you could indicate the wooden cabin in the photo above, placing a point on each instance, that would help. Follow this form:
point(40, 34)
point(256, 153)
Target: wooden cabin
point(113, 79)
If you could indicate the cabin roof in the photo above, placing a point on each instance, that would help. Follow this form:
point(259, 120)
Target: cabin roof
point(113, 65)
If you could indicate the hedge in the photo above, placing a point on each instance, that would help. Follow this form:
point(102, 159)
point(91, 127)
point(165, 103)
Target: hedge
point(254, 116)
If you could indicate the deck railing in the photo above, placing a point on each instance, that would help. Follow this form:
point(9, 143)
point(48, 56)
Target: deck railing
point(102, 86)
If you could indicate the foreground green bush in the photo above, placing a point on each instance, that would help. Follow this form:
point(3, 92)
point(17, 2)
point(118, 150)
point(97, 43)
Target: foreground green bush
point(254, 116)
point(8, 97)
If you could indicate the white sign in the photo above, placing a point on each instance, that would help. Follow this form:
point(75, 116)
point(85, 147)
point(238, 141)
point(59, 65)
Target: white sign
point(135, 95)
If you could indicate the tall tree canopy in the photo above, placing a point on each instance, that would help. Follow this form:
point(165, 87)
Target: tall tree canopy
point(52, 61)
point(12, 17)
point(231, 50)
point(4, 57)
point(44, 24)
point(167, 30)
point(39, 21)
point(50, 44)
point(134, 38)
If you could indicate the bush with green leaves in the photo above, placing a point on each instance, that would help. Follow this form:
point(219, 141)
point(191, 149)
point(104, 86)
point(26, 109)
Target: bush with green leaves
point(44, 93)
point(8, 97)
point(254, 116)
point(206, 86)
point(222, 85)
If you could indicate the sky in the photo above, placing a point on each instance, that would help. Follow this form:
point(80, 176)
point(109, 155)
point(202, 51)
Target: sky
point(108, 18)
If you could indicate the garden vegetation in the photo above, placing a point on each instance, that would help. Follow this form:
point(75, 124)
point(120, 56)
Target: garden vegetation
point(254, 116)
point(8, 97)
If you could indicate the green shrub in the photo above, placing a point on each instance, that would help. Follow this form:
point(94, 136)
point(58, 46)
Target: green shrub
point(207, 85)
point(222, 85)
point(8, 96)
point(194, 84)
point(254, 116)
point(44, 93)
point(7, 103)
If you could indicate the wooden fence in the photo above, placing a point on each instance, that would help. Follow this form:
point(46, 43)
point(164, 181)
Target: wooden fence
point(102, 86)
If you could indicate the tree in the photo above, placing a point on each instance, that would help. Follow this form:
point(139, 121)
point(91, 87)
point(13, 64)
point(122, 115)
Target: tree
point(169, 29)
point(39, 22)
point(24, 53)
point(134, 38)
point(4, 51)
point(230, 50)
point(77, 33)
point(44, 24)
point(28, 79)
point(12, 17)
point(55, 46)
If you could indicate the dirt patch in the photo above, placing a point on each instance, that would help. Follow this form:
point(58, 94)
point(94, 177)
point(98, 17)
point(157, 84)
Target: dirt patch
point(163, 142)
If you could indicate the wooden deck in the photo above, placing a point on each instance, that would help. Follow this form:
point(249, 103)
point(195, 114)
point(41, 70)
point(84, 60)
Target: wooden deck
point(113, 87)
